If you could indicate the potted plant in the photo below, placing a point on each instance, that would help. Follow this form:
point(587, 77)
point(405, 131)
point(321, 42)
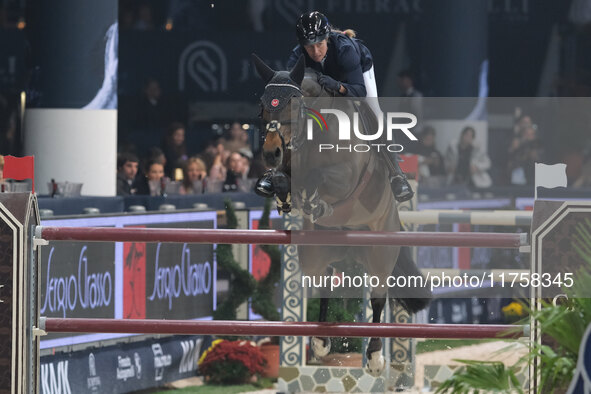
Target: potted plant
point(270, 348)
point(231, 362)
point(561, 324)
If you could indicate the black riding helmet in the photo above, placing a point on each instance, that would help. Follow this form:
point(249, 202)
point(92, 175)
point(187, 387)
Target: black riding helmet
point(312, 27)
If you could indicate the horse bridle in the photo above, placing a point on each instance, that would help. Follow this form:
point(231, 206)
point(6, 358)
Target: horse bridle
point(274, 125)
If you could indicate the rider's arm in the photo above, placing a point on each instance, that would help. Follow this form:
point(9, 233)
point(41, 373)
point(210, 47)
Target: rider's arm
point(350, 64)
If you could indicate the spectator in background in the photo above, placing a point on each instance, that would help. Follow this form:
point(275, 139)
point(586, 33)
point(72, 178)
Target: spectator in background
point(466, 162)
point(154, 154)
point(236, 138)
point(157, 154)
point(213, 148)
point(406, 84)
point(4, 185)
point(431, 162)
point(524, 152)
point(9, 136)
point(215, 156)
point(126, 15)
point(256, 9)
point(253, 168)
point(236, 172)
point(145, 17)
point(523, 122)
point(2, 181)
point(127, 167)
point(174, 149)
point(584, 178)
point(154, 183)
point(194, 173)
point(414, 98)
point(152, 111)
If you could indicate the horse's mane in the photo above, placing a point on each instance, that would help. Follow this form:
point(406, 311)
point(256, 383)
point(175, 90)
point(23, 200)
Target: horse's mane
point(310, 85)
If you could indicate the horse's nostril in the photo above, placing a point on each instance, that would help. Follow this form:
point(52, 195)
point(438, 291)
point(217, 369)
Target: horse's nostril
point(277, 152)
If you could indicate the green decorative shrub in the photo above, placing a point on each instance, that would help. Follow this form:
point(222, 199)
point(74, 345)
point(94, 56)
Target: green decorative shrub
point(243, 286)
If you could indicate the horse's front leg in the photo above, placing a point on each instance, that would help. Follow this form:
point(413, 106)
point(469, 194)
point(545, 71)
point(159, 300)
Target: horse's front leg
point(313, 207)
point(282, 188)
point(336, 181)
point(376, 363)
point(321, 345)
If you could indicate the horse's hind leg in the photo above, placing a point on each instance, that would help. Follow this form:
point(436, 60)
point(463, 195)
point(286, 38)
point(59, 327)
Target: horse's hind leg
point(375, 360)
point(321, 346)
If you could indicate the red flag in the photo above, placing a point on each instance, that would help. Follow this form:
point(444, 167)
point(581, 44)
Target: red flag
point(409, 164)
point(19, 168)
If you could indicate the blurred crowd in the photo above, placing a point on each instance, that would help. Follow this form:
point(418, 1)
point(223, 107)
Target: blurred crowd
point(159, 155)
point(465, 162)
point(227, 164)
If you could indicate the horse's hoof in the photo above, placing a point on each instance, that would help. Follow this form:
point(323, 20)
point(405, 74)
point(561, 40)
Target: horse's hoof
point(320, 350)
point(323, 209)
point(286, 208)
point(309, 202)
point(283, 206)
point(376, 363)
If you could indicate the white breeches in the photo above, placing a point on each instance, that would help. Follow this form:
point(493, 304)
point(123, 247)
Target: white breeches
point(371, 89)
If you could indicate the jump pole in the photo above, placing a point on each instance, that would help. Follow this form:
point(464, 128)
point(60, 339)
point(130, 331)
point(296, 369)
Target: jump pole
point(272, 328)
point(283, 237)
point(492, 218)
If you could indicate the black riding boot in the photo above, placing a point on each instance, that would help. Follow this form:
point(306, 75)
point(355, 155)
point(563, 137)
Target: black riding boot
point(400, 187)
point(264, 186)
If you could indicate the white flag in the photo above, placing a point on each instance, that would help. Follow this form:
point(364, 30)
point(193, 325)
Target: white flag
point(550, 176)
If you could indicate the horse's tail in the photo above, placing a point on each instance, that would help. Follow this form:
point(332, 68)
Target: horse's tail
point(412, 299)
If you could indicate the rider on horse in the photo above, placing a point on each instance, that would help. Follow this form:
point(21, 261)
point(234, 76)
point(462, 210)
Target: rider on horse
point(345, 68)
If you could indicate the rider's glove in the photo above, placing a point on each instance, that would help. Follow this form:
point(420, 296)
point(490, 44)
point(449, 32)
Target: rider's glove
point(329, 83)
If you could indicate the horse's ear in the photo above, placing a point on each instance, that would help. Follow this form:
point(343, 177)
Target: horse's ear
point(297, 72)
point(265, 72)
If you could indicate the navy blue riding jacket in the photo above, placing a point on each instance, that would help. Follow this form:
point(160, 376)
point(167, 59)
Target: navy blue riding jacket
point(345, 62)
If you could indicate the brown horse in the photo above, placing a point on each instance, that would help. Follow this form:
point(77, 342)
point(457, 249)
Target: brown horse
point(333, 190)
